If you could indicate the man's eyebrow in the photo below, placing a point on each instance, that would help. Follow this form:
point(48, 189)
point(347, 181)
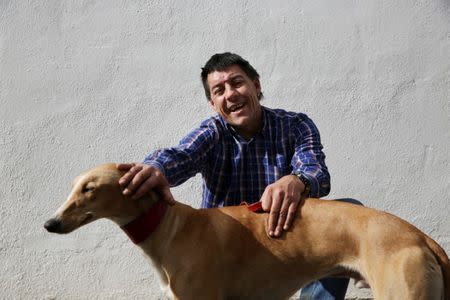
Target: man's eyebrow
point(216, 85)
point(240, 76)
point(232, 77)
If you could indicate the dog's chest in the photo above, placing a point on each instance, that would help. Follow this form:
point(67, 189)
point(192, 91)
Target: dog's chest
point(167, 292)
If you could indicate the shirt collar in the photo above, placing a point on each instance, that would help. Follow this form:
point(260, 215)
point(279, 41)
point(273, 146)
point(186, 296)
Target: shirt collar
point(240, 139)
point(265, 121)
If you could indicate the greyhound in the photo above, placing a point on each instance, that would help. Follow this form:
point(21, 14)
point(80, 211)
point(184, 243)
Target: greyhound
point(225, 253)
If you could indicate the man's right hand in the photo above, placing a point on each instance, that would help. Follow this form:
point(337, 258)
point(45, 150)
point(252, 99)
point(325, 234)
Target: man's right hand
point(140, 179)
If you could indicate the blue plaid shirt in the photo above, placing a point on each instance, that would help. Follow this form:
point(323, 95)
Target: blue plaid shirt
point(236, 170)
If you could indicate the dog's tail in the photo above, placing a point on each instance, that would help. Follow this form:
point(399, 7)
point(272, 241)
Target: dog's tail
point(443, 261)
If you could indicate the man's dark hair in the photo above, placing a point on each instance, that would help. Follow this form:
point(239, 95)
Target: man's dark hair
point(220, 62)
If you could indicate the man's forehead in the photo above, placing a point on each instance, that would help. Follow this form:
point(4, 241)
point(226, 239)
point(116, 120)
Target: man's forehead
point(217, 77)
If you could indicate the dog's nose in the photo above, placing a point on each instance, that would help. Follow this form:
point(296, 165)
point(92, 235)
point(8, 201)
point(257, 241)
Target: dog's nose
point(52, 225)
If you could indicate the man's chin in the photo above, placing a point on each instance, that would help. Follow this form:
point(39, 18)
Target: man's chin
point(239, 124)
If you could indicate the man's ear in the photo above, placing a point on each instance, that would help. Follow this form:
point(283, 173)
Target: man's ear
point(211, 104)
point(257, 86)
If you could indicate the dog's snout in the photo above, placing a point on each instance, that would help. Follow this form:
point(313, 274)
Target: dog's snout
point(53, 225)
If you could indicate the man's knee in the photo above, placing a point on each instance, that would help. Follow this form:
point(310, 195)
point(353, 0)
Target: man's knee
point(350, 200)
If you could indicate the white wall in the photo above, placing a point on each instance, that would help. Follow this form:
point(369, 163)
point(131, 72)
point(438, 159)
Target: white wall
point(87, 82)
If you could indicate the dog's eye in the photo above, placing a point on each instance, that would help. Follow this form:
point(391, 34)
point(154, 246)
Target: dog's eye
point(87, 189)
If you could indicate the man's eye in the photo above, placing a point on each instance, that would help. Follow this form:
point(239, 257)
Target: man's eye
point(218, 91)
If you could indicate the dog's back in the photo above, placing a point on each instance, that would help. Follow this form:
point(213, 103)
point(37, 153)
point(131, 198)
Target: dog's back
point(363, 240)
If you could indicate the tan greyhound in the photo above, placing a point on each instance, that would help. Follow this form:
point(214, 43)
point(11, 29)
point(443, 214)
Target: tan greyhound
point(225, 253)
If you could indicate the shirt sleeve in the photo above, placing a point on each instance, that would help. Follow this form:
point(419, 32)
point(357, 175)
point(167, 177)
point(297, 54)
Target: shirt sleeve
point(308, 158)
point(182, 162)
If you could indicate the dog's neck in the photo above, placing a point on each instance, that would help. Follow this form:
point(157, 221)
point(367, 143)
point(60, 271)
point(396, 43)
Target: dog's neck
point(152, 213)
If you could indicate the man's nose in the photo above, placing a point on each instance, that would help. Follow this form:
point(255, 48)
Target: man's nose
point(230, 92)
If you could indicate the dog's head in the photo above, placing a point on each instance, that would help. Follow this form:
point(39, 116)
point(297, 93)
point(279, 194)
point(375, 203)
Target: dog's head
point(95, 194)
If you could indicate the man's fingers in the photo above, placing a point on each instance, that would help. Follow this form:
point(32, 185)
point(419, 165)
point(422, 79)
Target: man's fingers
point(142, 175)
point(137, 175)
point(274, 214)
point(154, 182)
point(124, 167)
point(128, 176)
point(266, 200)
point(167, 195)
point(290, 215)
point(144, 188)
point(140, 179)
point(281, 199)
point(282, 216)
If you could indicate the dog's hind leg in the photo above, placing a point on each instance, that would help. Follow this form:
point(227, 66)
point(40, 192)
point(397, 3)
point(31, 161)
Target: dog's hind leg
point(410, 274)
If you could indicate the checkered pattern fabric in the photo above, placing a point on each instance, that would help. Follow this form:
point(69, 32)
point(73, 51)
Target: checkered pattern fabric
point(235, 169)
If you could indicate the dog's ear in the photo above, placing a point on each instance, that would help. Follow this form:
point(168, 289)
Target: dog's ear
point(154, 196)
point(164, 195)
point(148, 200)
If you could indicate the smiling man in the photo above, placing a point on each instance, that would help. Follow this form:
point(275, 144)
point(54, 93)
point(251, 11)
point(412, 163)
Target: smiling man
point(247, 152)
point(235, 97)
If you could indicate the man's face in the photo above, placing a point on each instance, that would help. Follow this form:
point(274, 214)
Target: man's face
point(235, 97)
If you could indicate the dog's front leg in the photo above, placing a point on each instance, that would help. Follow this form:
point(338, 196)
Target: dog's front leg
point(197, 289)
point(202, 295)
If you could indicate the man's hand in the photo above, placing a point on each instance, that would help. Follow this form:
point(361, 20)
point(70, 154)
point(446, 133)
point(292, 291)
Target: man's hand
point(281, 198)
point(141, 178)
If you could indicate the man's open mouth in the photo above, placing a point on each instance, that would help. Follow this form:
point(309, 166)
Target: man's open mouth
point(236, 107)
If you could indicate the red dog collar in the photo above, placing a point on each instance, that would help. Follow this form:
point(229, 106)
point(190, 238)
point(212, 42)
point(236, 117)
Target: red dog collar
point(255, 207)
point(140, 229)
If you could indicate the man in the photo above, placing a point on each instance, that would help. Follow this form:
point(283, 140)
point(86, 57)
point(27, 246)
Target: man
point(246, 152)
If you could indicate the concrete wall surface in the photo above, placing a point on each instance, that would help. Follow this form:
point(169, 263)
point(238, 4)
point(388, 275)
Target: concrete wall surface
point(87, 82)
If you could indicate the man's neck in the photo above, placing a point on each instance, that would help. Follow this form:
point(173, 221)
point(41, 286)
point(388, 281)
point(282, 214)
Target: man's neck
point(250, 131)
point(247, 134)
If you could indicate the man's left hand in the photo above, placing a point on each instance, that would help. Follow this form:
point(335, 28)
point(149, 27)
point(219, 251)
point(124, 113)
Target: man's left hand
point(281, 199)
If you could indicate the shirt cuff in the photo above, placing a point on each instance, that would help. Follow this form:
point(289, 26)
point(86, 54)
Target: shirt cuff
point(318, 188)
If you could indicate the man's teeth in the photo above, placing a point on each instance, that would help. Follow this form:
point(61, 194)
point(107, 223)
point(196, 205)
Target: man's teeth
point(236, 107)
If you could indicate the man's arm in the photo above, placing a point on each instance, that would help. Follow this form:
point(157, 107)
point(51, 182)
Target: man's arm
point(169, 167)
point(283, 196)
point(309, 160)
